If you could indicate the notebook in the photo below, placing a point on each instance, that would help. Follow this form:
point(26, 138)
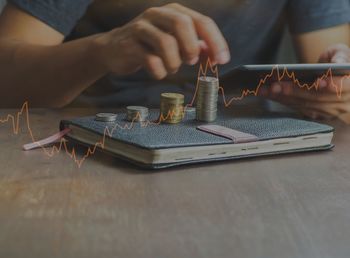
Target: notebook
point(154, 145)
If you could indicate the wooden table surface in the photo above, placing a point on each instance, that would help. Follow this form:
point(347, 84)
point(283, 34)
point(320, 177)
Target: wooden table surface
point(286, 206)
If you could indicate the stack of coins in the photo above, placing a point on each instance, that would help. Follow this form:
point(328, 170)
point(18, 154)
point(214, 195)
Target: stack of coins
point(172, 107)
point(190, 110)
point(137, 113)
point(207, 99)
point(106, 117)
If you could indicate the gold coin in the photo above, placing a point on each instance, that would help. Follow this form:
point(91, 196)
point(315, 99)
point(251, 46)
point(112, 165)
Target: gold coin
point(168, 95)
point(178, 109)
point(172, 98)
point(171, 107)
point(172, 121)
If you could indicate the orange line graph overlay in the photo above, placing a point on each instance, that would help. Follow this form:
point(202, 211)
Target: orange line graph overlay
point(203, 71)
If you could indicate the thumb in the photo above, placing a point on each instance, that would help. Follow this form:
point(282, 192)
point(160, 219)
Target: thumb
point(338, 53)
point(341, 57)
point(325, 57)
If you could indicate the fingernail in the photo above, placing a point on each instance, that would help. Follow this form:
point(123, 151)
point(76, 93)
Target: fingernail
point(276, 88)
point(322, 84)
point(193, 61)
point(223, 57)
point(202, 45)
point(340, 59)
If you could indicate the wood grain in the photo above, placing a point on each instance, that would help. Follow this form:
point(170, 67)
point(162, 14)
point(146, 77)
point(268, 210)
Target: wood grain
point(286, 206)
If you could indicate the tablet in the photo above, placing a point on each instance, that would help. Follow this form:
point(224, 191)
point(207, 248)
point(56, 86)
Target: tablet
point(272, 72)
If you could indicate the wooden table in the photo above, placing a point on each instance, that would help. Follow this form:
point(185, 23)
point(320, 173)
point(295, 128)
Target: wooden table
point(285, 206)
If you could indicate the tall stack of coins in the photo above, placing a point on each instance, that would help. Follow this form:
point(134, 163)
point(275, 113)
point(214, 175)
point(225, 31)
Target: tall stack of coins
point(172, 107)
point(137, 113)
point(207, 99)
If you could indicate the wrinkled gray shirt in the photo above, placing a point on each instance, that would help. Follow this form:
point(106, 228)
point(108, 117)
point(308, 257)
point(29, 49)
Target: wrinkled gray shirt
point(253, 30)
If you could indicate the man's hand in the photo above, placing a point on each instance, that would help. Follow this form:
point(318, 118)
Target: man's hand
point(160, 40)
point(54, 73)
point(323, 103)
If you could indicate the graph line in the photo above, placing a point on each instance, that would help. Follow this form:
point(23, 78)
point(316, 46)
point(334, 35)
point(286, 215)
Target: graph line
point(14, 120)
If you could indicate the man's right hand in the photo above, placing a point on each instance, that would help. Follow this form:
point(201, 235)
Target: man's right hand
point(53, 72)
point(160, 40)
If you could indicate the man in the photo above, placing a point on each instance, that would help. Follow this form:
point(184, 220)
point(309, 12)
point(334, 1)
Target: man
point(36, 64)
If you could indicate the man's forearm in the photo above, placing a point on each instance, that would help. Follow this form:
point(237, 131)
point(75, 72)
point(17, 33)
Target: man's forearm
point(49, 73)
point(50, 76)
point(311, 45)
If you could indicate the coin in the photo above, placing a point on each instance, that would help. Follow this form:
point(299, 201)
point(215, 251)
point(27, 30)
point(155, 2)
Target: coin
point(173, 98)
point(207, 99)
point(190, 110)
point(137, 113)
point(171, 107)
point(106, 117)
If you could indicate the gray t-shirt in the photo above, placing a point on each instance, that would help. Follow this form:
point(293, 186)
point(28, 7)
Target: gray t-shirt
point(252, 28)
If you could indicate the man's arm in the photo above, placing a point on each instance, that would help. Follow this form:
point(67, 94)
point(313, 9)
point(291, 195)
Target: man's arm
point(35, 65)
point(310, 46)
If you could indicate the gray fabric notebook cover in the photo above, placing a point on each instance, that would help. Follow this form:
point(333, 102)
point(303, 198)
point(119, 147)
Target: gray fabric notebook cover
point(185, 134)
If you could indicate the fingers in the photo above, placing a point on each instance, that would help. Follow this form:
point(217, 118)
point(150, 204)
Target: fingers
point(176, 34)
point(310, 108)
point(326, 98)
point(338, 53)
point(207, 30)
point(336, 86)
point(341, 56)
point(182, 27)
point(314, 103)
point(161, 43)
point(142, 57)
point(339, 85)
point(155, 66)
point(336, 89)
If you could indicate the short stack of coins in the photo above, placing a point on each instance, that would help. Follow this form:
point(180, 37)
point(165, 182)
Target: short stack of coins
point(106, 117)
point(137, 113)
point(207, 99)
point(172, 107)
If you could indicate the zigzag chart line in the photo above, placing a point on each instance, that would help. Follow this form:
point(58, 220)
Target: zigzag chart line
point(203, 71)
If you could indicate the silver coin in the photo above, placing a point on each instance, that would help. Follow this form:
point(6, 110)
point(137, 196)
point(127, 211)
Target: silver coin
point(137, 108)
point(106, 117)
point(137, 113)
point(190, 110)
point(208, 79)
